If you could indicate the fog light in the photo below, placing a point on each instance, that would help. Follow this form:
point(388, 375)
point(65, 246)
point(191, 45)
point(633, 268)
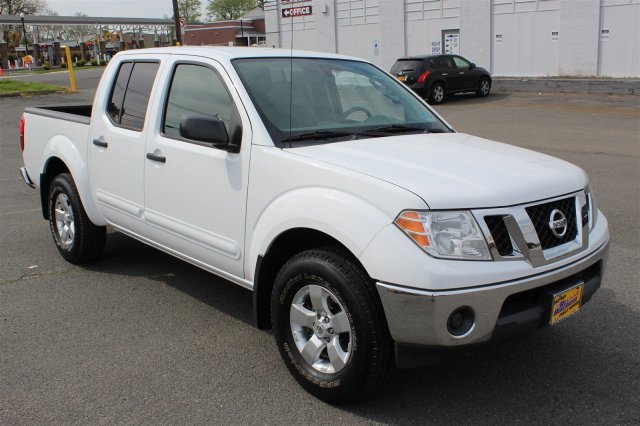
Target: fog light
point(460, 321)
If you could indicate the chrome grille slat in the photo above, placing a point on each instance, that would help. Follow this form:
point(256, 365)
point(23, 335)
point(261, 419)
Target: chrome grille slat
point(522, 232)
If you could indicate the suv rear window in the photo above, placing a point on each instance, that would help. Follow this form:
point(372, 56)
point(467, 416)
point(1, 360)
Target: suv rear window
point(407, 66)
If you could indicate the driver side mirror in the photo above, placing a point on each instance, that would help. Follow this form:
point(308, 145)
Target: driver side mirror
point(205, 128)
point(472, 66)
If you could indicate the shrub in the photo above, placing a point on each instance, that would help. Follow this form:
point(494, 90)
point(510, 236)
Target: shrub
point(63, 65)
point(103, 62)
point(46, 66)
point(81, 63)
point(94, 63)
point(13, 56)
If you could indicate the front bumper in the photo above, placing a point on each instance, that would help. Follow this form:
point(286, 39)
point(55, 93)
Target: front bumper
point(419, 317)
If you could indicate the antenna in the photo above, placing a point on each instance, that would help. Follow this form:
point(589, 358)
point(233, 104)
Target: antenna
point(291, 84)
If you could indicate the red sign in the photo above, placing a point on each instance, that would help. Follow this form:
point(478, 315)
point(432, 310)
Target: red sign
point(292, 12)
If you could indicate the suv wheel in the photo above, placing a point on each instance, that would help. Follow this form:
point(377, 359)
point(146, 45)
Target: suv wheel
point(436, 95)
point(484, 87)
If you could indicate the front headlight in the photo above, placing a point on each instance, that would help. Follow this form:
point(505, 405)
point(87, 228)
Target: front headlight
point(448, 235)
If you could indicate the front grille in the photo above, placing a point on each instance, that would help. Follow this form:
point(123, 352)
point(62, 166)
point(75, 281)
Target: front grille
point(540, 216)
point(500, 234)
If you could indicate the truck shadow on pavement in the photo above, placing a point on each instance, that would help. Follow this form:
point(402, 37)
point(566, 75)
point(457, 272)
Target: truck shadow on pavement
point(581, 371)
point(126, 256)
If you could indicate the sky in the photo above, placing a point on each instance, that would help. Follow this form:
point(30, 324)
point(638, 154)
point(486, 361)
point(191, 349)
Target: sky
point(114, 8)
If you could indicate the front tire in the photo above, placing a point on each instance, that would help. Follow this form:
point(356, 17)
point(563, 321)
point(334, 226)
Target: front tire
point(77, 238)
point(330, 327)
point(484, 87)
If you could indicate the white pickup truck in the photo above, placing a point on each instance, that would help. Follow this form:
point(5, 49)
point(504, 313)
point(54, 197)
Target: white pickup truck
point(370, 232)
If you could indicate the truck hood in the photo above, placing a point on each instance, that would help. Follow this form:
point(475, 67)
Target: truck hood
point(454, 170)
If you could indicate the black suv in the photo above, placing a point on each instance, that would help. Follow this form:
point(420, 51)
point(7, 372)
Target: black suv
point(435, 76)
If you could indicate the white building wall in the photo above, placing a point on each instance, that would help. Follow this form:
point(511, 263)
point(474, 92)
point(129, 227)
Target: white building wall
point(524, 40)
point(619, 48)
point(425, 20)
point(475, 25)
point(509, 37)
point(358, 26)
point(579, 20)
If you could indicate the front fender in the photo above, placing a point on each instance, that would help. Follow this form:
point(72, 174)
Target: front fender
point(352, 221)
point(67, 151)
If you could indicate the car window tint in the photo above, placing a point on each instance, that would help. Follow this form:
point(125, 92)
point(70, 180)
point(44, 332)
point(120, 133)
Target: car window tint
point(443, 62)
point(407, 65)
point(359, 93)
point(196, 90)
point(114, 106)
point(460, 63)
point(136, 99)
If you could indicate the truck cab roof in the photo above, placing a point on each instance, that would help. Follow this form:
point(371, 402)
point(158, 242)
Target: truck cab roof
point(229, 53)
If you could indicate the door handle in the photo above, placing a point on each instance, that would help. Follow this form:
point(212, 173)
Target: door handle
point(444, 73)
point(100, 143)
point(159, 158)
point(461, 72)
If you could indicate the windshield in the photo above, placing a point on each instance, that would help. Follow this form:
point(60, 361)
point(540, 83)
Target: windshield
point(331, 99)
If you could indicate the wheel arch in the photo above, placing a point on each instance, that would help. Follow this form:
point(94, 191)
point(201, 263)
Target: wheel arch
point(52, 168)
point(61, 155)
point(281, 249)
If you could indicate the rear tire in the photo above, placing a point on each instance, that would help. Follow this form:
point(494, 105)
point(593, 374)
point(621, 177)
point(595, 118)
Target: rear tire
point(484, 87)
point(330, 327)
point(437, 93)
point(77, 238)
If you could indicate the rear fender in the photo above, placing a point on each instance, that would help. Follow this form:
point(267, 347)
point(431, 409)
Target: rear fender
point(64, 149)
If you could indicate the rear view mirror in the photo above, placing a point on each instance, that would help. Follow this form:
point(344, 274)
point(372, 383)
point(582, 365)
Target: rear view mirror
point(205, 128)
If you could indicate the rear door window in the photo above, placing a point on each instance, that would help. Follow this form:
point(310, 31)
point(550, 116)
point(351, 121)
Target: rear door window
point(129, 98)
point(114, 107)
point(136, 98)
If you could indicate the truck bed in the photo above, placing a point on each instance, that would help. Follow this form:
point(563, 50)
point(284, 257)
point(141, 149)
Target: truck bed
point(56, 131)
point(78, 113)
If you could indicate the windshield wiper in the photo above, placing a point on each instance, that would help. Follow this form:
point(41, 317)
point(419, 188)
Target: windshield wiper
point(318, 135)
point(399, 128)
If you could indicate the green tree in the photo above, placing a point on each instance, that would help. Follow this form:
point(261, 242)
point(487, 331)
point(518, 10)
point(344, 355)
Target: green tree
point(22, 7)
point(18, 7)
point(225, 10)
point(190, 10)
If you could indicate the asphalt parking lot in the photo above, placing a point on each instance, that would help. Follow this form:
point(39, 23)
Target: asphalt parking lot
point(140, 337)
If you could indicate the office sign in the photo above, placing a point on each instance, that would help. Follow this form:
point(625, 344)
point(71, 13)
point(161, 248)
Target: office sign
point(292, 12)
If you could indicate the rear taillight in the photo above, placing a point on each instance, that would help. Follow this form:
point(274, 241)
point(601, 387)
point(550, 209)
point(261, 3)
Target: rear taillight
point(423, 77)
point(21, 128)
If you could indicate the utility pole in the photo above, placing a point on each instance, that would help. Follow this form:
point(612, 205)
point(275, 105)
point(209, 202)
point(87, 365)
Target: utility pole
point(24, 33)
point(176, 20)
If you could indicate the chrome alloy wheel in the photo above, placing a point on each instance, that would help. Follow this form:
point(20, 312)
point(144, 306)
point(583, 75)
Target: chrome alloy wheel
point(65, 224)
point(484, 87)
point(321, 329)
point(438, 93)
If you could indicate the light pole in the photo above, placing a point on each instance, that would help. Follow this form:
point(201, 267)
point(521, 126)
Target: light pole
point(24, 34)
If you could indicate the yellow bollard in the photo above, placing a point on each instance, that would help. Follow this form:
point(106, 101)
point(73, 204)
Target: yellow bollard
point(72, 76)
